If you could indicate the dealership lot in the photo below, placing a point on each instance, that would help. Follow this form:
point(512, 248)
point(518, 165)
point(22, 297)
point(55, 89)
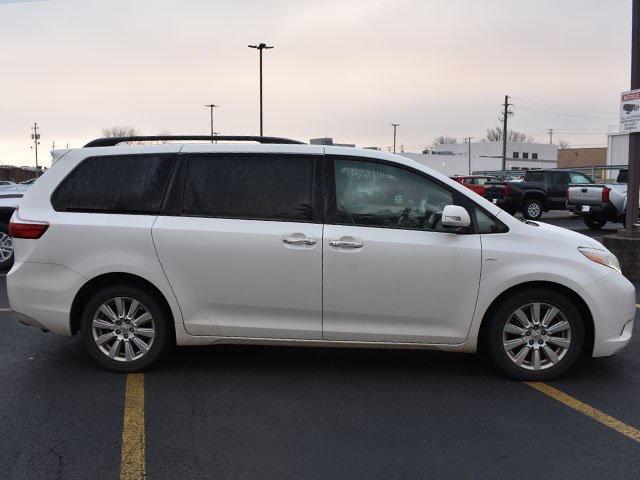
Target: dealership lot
point(264, 412)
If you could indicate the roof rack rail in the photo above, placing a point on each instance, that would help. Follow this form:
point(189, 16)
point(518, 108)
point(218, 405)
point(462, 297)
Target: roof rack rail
point(112, 141)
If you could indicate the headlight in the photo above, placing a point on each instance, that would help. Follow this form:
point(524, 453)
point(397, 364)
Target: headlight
point(602, 257)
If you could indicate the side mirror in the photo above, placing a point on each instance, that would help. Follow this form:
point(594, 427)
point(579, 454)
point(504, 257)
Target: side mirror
point(455, 216)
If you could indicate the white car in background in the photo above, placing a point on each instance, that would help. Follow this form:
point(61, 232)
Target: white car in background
point(139, 247)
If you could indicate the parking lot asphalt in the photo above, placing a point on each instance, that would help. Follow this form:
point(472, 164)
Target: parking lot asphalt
point(313, 413)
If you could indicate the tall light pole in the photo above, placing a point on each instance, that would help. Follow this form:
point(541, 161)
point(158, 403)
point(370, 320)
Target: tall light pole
point(211, 106)
point(634, 138)
point(468, 139)
point(260, 47)
point(395, 127)
point(35, 136)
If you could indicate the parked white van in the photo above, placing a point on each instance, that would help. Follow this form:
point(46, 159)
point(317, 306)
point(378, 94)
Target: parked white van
point(140, 247)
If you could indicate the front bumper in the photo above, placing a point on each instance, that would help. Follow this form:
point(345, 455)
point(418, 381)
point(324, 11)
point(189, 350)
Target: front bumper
point(613, 306)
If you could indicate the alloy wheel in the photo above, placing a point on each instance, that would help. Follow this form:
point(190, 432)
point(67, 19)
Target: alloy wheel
point(533, 210)
point(536, 336)
point(6, 247)
point(123, 329)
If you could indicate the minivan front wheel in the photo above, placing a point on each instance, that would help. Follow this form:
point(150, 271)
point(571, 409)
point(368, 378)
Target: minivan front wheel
point(535, 335)
point(124, 328)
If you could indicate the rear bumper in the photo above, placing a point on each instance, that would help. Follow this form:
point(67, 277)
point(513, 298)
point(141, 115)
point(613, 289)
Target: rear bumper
point(605, 209)
point(41, 295)
point(613, 306)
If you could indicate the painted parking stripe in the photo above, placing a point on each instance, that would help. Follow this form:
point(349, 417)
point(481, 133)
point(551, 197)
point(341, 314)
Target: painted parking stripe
point(637, 305)
point(6, 310)
point(132, 461)
point(594, 413)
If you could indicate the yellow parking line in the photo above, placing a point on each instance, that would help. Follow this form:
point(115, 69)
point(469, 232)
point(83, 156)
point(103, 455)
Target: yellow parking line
point(587, 410)
point(637, 305)
point(132, 464)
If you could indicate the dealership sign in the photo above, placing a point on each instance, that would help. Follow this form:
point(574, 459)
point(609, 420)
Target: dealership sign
point(630, 111)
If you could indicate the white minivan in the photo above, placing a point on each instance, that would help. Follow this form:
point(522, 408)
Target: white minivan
point(140, 247)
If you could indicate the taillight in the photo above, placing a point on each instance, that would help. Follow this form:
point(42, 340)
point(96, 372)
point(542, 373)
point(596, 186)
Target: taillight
point(507, 190)
point(605, 194)
point(31, 229)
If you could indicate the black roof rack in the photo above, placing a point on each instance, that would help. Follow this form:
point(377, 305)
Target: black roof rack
point(110, 142)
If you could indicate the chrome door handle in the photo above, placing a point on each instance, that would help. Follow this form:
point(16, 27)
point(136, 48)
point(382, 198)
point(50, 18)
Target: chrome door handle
point(344, 244)
point(299, 241)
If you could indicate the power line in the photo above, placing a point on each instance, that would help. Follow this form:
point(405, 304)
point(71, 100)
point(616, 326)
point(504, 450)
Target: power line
point(562, 114)
point(530, 102)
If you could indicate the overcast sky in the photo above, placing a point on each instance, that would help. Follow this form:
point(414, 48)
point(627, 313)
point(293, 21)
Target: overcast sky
point(340, 68)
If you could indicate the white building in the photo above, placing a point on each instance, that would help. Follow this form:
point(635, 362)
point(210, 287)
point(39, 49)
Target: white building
point(453, 159)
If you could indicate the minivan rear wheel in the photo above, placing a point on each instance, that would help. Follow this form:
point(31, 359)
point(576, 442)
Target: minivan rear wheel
point(535, 335)
point(125, 328)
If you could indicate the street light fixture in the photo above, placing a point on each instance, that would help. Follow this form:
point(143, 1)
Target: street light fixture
point(260, 47)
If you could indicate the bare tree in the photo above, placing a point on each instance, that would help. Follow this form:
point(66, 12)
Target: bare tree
point(444, 140)
point(119, 131)
point(563, 144)
point(495, 135)
point(164, 133)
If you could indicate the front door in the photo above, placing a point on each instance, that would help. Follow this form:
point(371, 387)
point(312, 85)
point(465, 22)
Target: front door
point(243, 253)
point(558, 185)
point(392, 273)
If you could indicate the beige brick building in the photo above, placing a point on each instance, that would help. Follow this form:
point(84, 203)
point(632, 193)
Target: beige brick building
point(581, 157)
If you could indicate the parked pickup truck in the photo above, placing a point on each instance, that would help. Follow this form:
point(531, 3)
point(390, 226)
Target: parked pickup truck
point(601, 203)
point(491, 188)
point(544, 190)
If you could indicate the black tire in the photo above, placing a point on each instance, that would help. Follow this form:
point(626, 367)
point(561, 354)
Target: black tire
point(5, 241)
point(595, 222)
point(160, 323)
point(493, 340)
point(532, 209)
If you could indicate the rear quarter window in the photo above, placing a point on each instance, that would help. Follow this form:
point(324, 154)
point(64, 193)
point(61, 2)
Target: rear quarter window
point(129, 184)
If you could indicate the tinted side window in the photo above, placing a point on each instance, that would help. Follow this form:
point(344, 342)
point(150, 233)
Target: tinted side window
point(559, 178)
point(372, 194)
point(534, 176)
point(131, 184)
point(253, 186)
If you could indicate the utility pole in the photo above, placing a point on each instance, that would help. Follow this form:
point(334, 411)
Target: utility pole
point(260, 47)
point(468, 139)
point(395, 127)
point(35, 136)
point(634, 138)
point(505, 115)
point(550, 130)
point(211, 106)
